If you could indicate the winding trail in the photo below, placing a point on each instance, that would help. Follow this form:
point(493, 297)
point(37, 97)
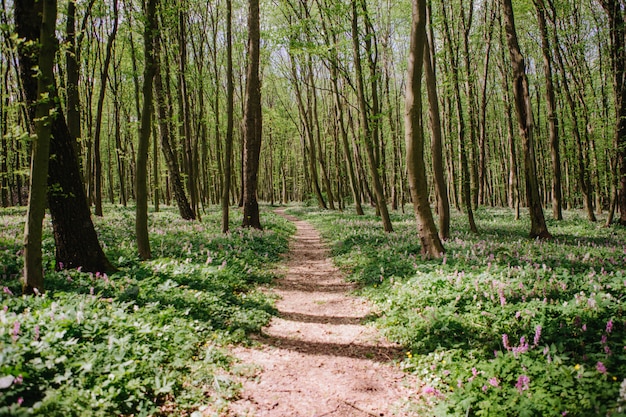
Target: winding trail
point(318, 358)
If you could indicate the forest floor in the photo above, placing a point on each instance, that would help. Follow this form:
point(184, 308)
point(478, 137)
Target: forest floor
point(319, 357)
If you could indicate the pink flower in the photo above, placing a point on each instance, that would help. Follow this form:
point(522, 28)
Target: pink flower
point(600, 367)
point(522, 383)
point(7, 291)
point(37, 332)
point(16, 331)
point(537, 335)
point(494, 382)
point(20, 401)
point(505, 341)
point(609, 326)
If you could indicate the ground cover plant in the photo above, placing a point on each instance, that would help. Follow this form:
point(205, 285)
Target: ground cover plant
point(502, 325)
point(147, 340)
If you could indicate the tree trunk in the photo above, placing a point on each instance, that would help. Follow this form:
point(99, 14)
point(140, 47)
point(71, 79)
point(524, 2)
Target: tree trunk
point(141, 187)
point(443, 204)
point(40, 151)
point(228, 146)
point(381, 204)
point(523, 108)
point(431, 244)
point(555, 153)
point(465, 172)
point(165, 132)
point(253, 121)
point(76, 241)
point(104, 74)
point(617, 29)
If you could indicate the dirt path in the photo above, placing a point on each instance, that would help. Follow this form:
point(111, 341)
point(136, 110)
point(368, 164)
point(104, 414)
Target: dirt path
point(317, 358)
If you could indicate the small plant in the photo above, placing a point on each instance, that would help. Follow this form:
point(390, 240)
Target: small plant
point(147, 340)
point(502, 325)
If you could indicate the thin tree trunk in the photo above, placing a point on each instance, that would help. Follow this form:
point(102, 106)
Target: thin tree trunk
point(465, 172)
point(523, 108)
point(553, 128)
point(253, 121)
point(367, 134)
point(431, 244)
point(228, 145)
point(104, 74)
point(141, 187)
point(176, 182)
point(443, 204)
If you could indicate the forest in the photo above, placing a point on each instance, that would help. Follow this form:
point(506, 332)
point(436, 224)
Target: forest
point(463, 161)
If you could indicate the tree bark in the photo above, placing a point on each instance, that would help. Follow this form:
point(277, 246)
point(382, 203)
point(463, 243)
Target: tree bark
point(40, 152)
point(165, 132)
point(253, 121)
point(431, 244)
point(617, 29)
point(76, 241)
point(538, 228)
point(104, 74)
point(381, 204)
point(441, 190)
point(553, 128)
point(230, 116)
point(141, 187)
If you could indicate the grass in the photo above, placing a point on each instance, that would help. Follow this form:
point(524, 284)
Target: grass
point(502, 325)
point(147, 340)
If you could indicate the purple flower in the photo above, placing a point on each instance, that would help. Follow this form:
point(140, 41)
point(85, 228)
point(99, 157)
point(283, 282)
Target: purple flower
point(7, 291)
point(609, 326)
point(37, 332)
point(16, 331)
point(18, 380)
point(584, 327)
point(20, 401)
point(603, 339)
point(485, 388)
point(505, 341)
point(494, 382)
point(522, 383)
point(537, 335)
point(600, 367)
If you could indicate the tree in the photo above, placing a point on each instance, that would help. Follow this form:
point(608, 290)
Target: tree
point(431, 244)
point(230, 89)
point(443, 204)
point(553, 129)
point(524, 112)
point(253, 121)
point(141, 186)
point(368, 137)
point(76, 241)
point(33, 268)
point(615, 13)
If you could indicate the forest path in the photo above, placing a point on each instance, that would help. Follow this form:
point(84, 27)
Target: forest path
point(317, 358)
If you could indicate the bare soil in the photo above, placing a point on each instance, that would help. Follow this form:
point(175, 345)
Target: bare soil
point(318, 358)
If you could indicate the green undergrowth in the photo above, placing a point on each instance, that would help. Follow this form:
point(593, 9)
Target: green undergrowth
point(503, 325)
point(148, 340)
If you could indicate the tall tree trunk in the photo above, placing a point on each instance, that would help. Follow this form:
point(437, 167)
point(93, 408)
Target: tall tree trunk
point(617, 29)
point(431, 244)
point(367, 134)
point(40, 151)
point(443, 204)
point(253, 121)
point(465, 172)
point(76, 241)
point(165, 132)
point(104, 74)
point(581, 157)
point(230, 117)
point(141, 187)
point(523, 108)
point(553, 128)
